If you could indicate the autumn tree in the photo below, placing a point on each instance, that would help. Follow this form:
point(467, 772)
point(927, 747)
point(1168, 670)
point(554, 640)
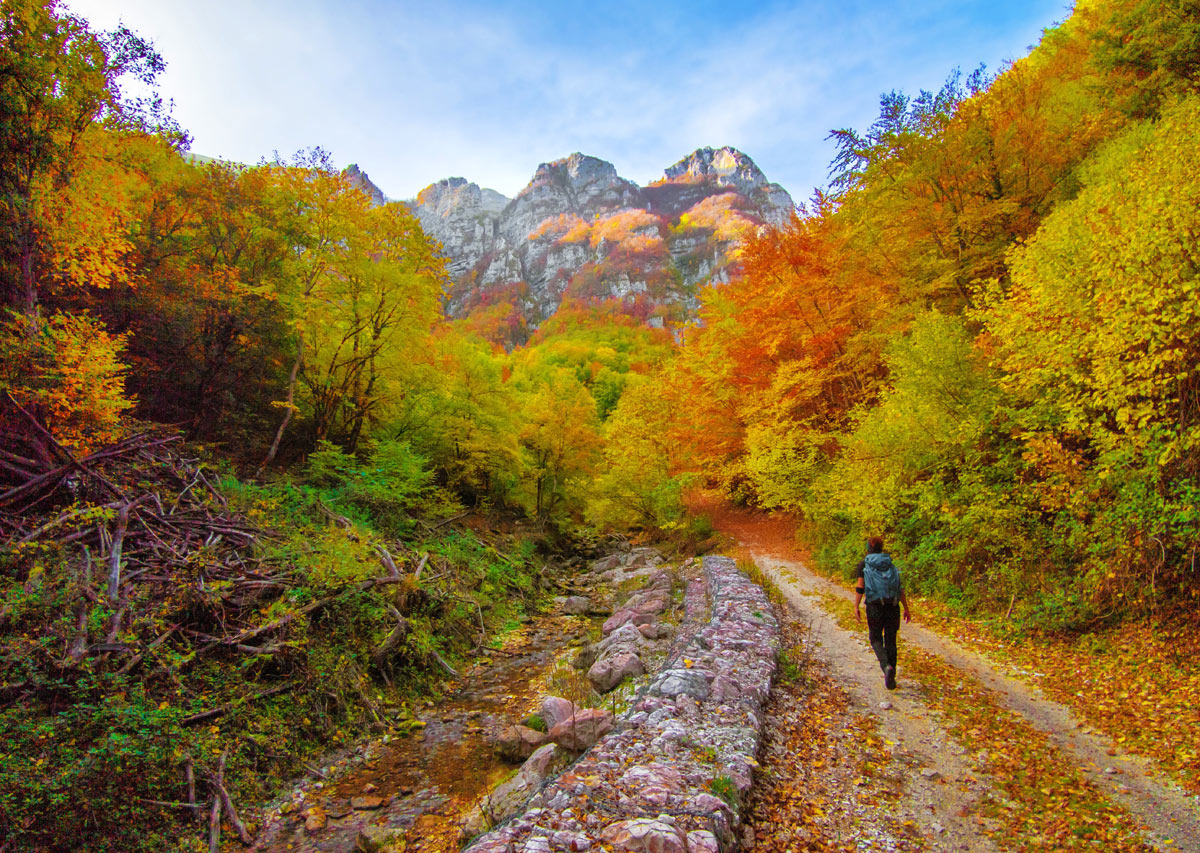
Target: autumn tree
point(206, 330)
point(377, 310)
point(641, 482)
point(58, 80)
point(1108, 383)
point(560, 441)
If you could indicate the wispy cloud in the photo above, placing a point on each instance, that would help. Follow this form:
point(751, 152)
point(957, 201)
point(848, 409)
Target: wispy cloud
point(415, 92)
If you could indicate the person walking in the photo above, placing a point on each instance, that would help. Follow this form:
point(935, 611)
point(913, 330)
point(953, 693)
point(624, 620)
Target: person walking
point(878, 580)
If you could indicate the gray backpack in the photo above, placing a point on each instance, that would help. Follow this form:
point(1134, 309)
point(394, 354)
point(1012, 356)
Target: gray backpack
point(881, 578)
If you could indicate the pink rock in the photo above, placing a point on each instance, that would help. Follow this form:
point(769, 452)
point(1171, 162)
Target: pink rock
point(655, 774)
point(555, 709)
point(519, 742)
point(582, 729)
point(538, 765)
point(709, 803)
point(608, 563)
point(564, 840)
point(619, 618)
point(644, 834)
point(654, 796)
point(653, 602)
point(654, 630)
point(702, 841)
point(607, 673)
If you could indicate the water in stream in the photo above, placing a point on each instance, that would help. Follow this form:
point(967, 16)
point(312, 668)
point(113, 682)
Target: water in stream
point(429, 781)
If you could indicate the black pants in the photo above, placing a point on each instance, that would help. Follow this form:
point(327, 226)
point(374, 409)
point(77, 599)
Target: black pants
point(883, 621)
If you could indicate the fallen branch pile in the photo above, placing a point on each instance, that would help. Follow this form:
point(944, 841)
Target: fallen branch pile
point(124, 568)
point(153, 543)
point(140, 522)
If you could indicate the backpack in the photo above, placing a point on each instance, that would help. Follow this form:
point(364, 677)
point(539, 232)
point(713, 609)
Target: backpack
point(881, 578)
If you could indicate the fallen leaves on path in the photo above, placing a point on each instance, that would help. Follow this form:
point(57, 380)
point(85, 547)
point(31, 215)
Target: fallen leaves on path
point(816, 790)
point(1047, 802)
point(1139, 683)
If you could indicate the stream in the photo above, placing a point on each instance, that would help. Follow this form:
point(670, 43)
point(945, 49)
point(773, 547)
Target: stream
point(427, 782)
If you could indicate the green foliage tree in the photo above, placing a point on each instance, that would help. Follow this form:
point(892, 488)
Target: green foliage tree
point(638, 485)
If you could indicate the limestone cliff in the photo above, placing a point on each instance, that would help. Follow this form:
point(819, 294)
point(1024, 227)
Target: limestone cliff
point(581, 231)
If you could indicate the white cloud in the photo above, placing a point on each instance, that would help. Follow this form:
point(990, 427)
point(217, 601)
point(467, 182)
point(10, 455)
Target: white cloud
point(415, 92)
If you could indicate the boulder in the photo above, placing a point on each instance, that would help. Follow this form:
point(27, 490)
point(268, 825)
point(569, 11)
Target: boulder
point(642, 608)
point(655, 630)
point(643, 557)
point(555, 709)
point(608, 672)
point(516, 743)
point(627, 638)
point(508, 797)
point(544, 761)
point(576, 605)
point(675, 682)
point(582, 729)
point(378, 839)
point(367, 802)
point(606, 564)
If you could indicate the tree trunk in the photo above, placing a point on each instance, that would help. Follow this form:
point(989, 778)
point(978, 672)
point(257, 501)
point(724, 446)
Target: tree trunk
point(28, 299)
point(291, 408)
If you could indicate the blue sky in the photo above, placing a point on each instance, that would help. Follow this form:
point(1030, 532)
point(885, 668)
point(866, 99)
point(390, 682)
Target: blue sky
point(415, 92)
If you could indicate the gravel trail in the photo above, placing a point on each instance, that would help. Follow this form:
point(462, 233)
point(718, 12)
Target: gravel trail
point(948, 789)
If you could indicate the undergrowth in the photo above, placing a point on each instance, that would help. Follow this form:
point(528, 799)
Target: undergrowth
point(93, 754)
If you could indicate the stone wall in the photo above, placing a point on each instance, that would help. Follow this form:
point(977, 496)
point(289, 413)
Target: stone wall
point(670, 776)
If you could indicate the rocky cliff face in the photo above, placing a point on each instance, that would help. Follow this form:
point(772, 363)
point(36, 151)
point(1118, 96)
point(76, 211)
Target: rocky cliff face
point(359, 177)
point(580, 231)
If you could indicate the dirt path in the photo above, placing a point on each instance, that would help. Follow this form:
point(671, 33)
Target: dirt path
point(943, 800)
point(1172, 816)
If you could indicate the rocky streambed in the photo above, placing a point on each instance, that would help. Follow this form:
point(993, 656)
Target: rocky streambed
point(420, 786)
point(670, 774)
point(637, 734)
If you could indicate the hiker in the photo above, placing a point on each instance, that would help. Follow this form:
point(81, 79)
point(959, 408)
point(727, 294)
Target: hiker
point(878, 579)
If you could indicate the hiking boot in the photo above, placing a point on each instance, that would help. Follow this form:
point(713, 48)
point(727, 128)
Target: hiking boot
point(889, 678)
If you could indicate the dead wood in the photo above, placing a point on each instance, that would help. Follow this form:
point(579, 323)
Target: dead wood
point(214, 826)
point(444, 665)
point(79, 646)
point(217, 781)
point(114, 556)
point(136, 659)
point(388, 563)
point(445, 521)
point(221, 710)
point(189, 778)
point(379, 657)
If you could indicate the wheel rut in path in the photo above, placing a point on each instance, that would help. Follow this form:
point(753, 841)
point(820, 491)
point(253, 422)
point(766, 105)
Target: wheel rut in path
point(1171, 814)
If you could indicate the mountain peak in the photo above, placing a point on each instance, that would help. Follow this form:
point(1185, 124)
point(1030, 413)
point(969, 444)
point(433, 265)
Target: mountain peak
point(577, 169)
point(363, 180)
point(581, 232)
point(451, 193)
point(726, 165)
